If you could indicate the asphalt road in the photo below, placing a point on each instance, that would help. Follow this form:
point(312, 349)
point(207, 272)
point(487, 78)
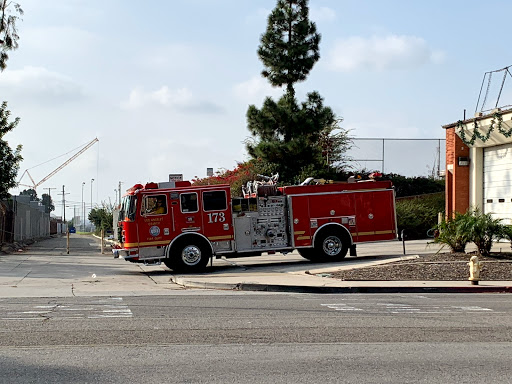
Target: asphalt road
point(247, 337)
point(176, 335)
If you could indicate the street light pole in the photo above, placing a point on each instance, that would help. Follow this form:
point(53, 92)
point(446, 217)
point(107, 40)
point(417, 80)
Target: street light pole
point(91, 195)
point(119, 190)
point(82, 207)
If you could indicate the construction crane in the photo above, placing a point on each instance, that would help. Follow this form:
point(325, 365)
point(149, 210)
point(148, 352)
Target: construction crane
point(35, 185)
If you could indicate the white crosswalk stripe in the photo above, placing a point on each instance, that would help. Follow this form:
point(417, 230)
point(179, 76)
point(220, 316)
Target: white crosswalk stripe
point(99, 308)
point(403, 308)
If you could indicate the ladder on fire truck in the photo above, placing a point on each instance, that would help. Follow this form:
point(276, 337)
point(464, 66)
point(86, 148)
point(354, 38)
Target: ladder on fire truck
point(35, 185)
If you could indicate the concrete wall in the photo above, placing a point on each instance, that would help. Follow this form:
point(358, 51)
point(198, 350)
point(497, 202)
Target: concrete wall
point(30, 220)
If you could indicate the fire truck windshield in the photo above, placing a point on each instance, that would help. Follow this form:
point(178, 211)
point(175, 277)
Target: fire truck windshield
point(128, 207)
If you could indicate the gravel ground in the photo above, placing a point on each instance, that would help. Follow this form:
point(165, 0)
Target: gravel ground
point(441, 266)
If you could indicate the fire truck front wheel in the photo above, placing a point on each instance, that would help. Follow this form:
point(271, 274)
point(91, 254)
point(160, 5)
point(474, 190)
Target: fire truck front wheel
point(189, 255)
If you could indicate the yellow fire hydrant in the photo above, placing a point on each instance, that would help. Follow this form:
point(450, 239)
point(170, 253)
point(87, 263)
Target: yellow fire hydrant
point(474, 270)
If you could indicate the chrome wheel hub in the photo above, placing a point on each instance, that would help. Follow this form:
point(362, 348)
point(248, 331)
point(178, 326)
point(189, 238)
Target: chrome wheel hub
point(332, 246)
point(191, 255)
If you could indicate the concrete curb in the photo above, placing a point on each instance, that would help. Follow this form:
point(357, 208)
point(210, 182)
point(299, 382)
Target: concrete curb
point(325, 289)
point(389, 260)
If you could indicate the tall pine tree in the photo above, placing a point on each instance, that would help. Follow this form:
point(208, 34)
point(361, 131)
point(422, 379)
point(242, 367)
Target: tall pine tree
point(290, 136)
point(290, 47)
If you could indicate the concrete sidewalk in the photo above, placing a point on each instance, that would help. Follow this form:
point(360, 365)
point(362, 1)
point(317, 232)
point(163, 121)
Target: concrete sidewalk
point(44, 269)
point(290, 273)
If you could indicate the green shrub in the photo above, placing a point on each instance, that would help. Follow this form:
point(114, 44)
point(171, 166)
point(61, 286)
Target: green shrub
point(507, 233)
point(413, 186)
point(472, 226)
point(484, 230)
point(418, 215)
point(456, 232)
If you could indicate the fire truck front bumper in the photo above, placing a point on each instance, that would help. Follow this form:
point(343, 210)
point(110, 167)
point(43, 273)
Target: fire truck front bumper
point(121, 253)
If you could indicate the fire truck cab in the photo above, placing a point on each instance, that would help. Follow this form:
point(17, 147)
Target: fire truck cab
point(183, 225)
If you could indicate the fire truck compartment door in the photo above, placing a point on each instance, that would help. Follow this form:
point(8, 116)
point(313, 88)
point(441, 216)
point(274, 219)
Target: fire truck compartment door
point(384, 215)
point(243, 233)
point(375, 216)
point(299, 220)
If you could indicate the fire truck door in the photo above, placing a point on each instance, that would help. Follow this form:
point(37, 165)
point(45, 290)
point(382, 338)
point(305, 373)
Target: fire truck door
point(217, 216)
point(187, 215)
point(152, 229)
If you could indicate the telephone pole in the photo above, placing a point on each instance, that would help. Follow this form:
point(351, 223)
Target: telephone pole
point(64, 204)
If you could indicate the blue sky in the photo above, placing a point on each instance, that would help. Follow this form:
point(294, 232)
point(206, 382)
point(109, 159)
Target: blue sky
point(165, 85)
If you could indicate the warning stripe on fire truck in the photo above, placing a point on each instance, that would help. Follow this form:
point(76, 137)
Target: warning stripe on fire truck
point(372, 233)
point(156, 243)
point(217, 238)
point(298, 233)
point(131, 245)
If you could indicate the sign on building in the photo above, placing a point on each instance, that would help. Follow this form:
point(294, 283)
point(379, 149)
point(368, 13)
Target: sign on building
point(175, 176)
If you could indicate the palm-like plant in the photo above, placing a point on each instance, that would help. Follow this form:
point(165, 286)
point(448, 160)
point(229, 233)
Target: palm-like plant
point(485, 230)
point(455, 232)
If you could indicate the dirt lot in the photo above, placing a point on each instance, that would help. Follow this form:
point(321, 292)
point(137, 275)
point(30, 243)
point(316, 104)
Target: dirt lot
point(441, 266)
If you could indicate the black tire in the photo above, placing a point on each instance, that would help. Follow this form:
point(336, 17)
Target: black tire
point(188, 255)
point(307, 253)
point(330, 245)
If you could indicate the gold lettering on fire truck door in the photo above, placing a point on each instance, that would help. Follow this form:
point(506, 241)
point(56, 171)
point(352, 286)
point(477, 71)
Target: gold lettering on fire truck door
point(216, 217)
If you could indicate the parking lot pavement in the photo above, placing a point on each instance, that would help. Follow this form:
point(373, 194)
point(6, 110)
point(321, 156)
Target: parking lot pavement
point(45, 269)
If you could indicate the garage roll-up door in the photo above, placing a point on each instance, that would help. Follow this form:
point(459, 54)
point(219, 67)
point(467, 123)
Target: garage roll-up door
point(498, 182)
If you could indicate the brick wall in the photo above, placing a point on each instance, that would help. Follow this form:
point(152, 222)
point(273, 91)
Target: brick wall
point(457, 180)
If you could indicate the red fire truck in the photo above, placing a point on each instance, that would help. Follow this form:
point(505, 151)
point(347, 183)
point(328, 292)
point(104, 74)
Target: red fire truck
point(184, 225)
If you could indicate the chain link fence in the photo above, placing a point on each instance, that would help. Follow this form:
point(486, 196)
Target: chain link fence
point(406, 157)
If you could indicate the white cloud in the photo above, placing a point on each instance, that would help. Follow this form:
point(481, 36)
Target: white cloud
point(255, 89)
point(381, 53)
point(40, 83)
point(322, 14)
point(163, 96)
point(178, 99)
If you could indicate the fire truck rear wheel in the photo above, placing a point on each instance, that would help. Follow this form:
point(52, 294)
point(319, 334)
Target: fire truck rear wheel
point(189, 255)
point(331, 245)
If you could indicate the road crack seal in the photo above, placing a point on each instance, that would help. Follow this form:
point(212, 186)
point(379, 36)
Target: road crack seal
point(23, 278)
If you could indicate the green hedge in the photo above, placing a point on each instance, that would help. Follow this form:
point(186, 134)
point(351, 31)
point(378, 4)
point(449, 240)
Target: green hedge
point(419, 214)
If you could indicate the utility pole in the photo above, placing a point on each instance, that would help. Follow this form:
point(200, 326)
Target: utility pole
point(64, 204)
point(82, 207)
point(91, 196)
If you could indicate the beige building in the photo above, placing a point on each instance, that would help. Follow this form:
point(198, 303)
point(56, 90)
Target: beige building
point(479, 164)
